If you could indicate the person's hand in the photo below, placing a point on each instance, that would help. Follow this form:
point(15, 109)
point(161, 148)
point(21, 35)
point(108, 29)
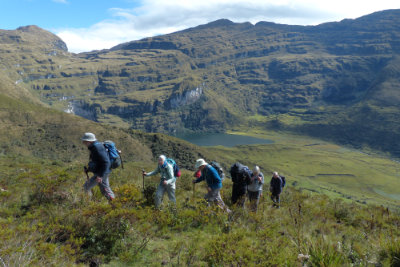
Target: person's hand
point(209, 189)
point(259, 179)
point(99, 179)
point(165, 182)
point(144, 173)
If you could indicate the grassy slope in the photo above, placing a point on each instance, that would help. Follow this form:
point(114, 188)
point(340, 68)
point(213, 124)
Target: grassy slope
point(322, 167)
point(69, 229)
point(45, 219)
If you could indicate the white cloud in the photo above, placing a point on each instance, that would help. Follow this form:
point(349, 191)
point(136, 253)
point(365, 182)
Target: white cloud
point(156, 17)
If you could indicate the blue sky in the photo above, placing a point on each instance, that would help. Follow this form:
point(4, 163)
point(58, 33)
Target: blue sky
point(87, 25)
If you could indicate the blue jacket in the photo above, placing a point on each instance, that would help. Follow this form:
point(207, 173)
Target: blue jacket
point(211, 176)
point(99, 158)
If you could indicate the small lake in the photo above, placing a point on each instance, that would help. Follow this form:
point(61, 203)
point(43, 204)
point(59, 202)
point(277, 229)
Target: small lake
point(222, 139)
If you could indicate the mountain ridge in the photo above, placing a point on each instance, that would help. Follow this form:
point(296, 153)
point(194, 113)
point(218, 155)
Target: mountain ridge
point(216, 76)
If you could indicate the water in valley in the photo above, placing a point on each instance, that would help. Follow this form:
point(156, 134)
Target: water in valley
point(222, 139)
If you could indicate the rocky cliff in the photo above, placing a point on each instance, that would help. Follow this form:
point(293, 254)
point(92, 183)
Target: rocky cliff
point(215, 76)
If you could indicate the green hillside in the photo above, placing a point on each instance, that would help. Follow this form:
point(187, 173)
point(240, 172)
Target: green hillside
point(331, 205)
point(217, 76)
point(340, 206)
point(46, 220)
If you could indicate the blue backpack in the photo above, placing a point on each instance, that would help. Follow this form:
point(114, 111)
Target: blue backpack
point(113, 154)
point(177, 171)
point(283, 181)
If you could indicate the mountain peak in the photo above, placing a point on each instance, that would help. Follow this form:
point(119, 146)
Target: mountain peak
point(30, 28)
point(33, 35)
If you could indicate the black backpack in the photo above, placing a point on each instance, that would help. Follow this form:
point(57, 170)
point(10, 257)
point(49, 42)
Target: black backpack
point(219, 169)
point(240, 174)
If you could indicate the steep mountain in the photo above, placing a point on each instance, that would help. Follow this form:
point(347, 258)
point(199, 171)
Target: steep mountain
point(220, 75)
point(45, 218)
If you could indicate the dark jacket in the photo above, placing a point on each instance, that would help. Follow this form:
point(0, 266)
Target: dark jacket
point(210, 174)
point(276, 185)
point(99, 159)
point(240, 175)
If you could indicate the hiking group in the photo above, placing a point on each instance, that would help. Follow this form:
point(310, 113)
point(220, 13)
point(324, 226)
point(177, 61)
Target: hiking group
point(104, 157)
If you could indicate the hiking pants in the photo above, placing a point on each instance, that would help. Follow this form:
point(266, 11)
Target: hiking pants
point(105, 188)
point(238, 195)
point(161, 189)
point(254, 198)
point(276, 200)
point(214, 196)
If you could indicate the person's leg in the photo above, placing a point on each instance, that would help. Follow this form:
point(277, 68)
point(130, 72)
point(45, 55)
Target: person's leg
point(235, 195)
point(242, 200)
point(278, 200)
point(242, 196)
point(253, 198)
point(257, 200)
point(171, 193)
point(159, 195)
point(238, 195)
point(105, 188)
point(215, 197)
point(208, 197)
point(89, 184)
point(273, 199)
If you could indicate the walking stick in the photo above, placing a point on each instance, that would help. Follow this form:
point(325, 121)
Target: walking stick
point(86, 171)
point(143, 178)
point(120, 156)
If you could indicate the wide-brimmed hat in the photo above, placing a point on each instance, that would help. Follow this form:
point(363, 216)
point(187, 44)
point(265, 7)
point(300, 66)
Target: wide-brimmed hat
point(200, 162)
point(89, 137)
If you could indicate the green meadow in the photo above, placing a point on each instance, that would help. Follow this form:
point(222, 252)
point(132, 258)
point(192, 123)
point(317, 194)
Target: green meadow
point(322, 167)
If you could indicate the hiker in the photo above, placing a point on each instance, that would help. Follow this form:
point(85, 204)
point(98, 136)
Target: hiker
point(275, 188)
point(241, 178)
point(99, 164)
point(214, 183)
point(167, 181)
point(254, 189)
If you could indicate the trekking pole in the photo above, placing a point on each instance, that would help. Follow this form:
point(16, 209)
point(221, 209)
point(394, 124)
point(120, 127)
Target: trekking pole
point(86, 171)
point(120, 156)
point(143, 178)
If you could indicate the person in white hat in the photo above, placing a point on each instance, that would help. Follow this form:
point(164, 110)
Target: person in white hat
point(254, 189)
point(214, 183)
point(99, 164)
point(167, 181)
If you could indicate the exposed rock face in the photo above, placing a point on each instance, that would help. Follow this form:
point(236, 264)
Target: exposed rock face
point(187, 98)
point(84, 110)
point(208, 76)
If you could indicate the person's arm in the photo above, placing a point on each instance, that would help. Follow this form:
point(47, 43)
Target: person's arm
point(156, 170)
point(261, 178)
point(201, 178)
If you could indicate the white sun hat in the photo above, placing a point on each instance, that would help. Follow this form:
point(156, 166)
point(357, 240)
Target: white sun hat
point(200, 162)
point(89, 137)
